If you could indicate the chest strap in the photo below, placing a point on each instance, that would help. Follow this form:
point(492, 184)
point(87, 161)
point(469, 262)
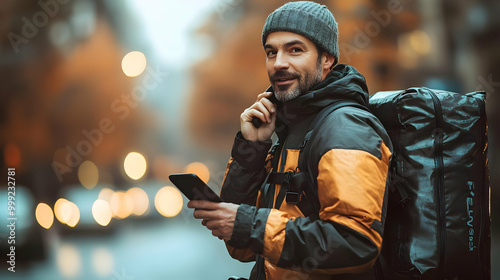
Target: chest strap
point(294, 190)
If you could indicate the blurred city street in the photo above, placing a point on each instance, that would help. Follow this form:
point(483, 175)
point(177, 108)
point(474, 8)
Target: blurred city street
point(169, 249)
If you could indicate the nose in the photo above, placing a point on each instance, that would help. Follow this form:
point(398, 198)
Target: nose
point(281, 61)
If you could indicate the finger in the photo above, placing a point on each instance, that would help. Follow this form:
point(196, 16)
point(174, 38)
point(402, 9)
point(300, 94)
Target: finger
point(206, 214)
point(216, 233)
point(212, 225)
point(263, 109)
point(271, 107)
point(265, 94)
point(204, 222)
point(220, 228)
point(202, 204)
point(249, 114)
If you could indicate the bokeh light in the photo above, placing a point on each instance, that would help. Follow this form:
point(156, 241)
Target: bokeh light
point(135, 165)
point(420, 42)
point(168, 201)
point(121, 204)
point(74, 214)
point(134, 63)
point(88, 174)
point(140, 201)
point(106, 194)
point(44, 215)
point(101, 211)
point(59, 210)
point(69, 261)
point(67, 212)
point(199, 169)
point(102, 261)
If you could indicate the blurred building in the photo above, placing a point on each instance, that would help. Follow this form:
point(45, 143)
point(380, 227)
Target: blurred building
point(66, 101)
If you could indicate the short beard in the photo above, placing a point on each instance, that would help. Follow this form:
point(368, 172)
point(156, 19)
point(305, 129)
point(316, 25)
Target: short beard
point(306, 82)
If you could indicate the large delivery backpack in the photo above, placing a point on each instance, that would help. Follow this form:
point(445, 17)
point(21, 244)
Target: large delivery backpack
point(438, 219)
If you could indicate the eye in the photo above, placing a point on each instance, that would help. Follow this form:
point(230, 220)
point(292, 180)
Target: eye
point(296, 50)
point(270, 53)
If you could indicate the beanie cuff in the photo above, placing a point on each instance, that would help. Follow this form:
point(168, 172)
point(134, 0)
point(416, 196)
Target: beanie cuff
point(318, 26)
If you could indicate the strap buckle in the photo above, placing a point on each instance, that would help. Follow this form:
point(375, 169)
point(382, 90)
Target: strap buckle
point(292, 197)
point(292, 194)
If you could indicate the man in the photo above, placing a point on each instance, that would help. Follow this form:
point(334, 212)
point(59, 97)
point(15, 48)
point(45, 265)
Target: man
point(348, 159)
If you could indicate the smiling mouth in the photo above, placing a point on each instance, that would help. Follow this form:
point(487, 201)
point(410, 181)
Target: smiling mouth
point(282, 81)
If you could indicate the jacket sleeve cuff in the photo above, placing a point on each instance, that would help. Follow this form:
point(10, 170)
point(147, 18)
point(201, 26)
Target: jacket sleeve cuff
point(250, 154)
point(249, 228)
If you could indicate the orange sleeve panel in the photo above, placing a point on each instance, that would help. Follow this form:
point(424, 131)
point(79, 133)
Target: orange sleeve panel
point(243, 255)
point(274, 237)
point(351, 188)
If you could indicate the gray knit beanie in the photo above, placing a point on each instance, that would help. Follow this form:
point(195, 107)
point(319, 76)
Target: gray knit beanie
point(309, 19)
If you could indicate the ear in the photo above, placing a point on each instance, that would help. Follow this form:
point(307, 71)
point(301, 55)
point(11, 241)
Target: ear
point(327, 61)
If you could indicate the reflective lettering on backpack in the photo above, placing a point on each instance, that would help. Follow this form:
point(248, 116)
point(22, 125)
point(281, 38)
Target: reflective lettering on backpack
point(470, 215)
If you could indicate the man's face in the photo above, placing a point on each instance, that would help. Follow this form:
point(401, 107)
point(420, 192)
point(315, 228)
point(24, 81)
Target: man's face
point(292, 64)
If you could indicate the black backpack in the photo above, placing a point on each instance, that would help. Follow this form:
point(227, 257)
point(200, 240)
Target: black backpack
point(438, 221)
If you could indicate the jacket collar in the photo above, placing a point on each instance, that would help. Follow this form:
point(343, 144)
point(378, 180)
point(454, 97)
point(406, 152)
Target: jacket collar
point(344, 82)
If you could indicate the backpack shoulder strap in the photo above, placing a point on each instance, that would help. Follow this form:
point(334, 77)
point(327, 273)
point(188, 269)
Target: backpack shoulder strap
point(318, 122)
point(306, 183)
point(267, 188)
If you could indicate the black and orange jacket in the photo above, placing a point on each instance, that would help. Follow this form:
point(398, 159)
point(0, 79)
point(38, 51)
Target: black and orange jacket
point(349, 158)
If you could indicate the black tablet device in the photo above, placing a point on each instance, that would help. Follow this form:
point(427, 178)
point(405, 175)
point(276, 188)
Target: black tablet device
point(193, 187)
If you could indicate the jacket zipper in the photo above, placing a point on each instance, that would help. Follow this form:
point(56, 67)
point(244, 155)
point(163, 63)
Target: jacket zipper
point(438, 160)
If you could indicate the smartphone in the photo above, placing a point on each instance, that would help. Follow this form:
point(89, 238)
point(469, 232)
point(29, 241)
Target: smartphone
point(193, 187)
point(256, 121)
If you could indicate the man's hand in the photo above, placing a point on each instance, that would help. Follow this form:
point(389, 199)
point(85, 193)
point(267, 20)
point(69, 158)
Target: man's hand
point(264, 110)
point(216, 216)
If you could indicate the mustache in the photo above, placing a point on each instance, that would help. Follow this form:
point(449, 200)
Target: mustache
point(283, 75)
